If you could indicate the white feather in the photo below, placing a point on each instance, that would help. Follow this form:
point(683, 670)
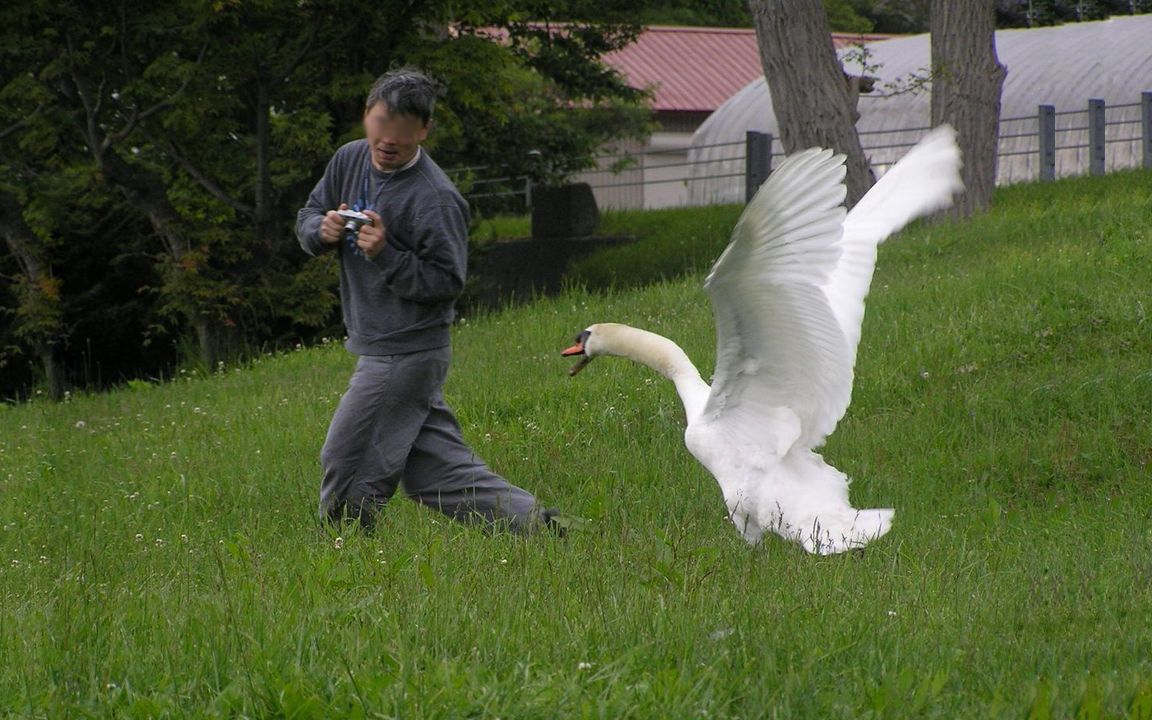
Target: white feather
point(788, 299)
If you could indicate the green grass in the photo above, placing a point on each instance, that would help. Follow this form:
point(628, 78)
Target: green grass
point(159, 555)
point(673, 243)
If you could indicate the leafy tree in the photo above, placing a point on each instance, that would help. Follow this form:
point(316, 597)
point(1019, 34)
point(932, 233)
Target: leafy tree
point(548, 104)
point(898, 17)
point(30, 212)
point(844, 16)
point(1035, 13)
point(195, 129)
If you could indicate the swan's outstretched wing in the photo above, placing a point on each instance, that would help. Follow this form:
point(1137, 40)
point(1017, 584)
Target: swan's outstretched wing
point(788, 292)
point(778, 342)
point(924, 181)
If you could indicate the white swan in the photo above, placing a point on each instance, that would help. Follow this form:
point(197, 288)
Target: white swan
point(788, 298)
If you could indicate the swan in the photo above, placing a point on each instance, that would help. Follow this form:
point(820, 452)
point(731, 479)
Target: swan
point(788, 300)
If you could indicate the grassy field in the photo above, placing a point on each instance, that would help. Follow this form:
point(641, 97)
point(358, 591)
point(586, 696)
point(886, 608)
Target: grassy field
point(159, 555)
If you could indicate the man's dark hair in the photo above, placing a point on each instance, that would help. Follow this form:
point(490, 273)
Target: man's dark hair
point(406, 91)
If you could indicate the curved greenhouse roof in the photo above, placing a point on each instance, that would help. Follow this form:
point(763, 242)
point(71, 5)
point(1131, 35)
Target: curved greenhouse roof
point(1062, 66)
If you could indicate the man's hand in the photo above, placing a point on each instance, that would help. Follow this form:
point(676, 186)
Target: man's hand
point(332, 227)
point(372, 238)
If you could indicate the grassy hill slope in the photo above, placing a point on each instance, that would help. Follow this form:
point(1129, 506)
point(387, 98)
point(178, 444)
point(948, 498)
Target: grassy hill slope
point(159, 555)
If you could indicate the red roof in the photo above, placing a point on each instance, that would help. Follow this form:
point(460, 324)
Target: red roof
point(695, 69)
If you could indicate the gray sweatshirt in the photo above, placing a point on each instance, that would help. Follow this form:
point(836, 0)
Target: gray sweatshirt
point(401, 301)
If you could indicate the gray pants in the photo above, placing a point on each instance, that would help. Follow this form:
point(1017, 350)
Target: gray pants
point(393, 427)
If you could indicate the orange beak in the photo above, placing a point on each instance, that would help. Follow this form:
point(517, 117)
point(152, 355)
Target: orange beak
point(577, 349)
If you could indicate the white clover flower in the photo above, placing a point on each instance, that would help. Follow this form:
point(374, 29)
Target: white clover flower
point(80, 424)
point(339, 543)
point(583, 666)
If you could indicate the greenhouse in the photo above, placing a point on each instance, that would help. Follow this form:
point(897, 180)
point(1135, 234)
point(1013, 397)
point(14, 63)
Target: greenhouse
point(1064, 67)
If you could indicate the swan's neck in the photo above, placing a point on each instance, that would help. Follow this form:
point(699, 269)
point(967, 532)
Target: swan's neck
point(663, 356)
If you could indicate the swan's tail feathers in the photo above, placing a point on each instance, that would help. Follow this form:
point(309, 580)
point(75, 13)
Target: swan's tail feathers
point(839, 532)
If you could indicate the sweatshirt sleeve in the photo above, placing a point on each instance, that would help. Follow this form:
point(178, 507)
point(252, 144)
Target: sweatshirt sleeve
point(320, 201)
point(435, 269)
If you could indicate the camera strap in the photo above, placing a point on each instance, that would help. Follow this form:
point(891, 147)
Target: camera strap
point(362, 203)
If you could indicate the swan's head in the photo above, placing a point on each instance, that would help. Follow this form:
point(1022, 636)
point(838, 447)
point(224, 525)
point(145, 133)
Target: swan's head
point(588, 345)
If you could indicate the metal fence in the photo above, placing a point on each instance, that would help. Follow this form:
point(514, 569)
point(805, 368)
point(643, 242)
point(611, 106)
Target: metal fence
point(1049, 144)
point(492, 191)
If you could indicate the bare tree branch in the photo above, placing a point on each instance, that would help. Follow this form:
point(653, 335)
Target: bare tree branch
point(206, 182)
point(295, 62)
point(139, 116)
point(21, 122)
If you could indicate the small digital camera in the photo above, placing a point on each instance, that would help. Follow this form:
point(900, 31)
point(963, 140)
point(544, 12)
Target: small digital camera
point(353, 220)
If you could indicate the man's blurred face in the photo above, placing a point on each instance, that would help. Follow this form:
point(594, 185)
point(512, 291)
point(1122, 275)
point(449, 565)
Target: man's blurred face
point(394, 138)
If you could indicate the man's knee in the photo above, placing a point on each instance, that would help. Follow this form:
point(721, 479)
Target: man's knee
point(335, 460)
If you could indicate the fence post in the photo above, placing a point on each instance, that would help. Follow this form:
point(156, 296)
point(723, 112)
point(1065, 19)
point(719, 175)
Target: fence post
point(1096, 136)
point(528, 192)
point(1146, 123)
point(1046, 120)
point(757, 161)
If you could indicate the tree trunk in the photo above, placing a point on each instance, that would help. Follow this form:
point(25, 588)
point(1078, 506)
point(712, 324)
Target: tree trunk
point(143, 188)
point(814, 103)
point(207, 338)
point(53, 374)
point(265, 219)
point(146, 191)
point(966, 81)
point(21, 242)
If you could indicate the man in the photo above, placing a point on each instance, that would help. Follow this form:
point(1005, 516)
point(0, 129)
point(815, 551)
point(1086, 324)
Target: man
point(399, 280)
